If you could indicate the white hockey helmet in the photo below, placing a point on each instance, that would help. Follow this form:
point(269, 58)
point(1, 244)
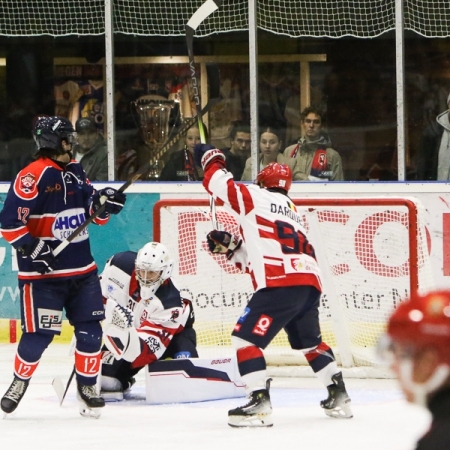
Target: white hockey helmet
point(152, 258)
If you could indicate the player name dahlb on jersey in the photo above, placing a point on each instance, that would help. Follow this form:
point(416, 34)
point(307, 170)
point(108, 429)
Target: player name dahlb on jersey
point(285, 211)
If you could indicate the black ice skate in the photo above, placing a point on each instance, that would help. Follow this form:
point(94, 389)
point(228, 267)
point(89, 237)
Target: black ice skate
point(337, 404)
point(13, 395)
point(90, 401)
point(256, 413)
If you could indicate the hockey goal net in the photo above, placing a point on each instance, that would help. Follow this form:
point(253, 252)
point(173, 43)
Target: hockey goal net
point(372, 252)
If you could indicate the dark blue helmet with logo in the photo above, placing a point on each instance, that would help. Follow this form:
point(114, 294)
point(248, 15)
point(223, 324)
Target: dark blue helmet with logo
point(50, 131)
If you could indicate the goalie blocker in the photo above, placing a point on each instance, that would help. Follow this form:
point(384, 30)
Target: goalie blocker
point(192, 380)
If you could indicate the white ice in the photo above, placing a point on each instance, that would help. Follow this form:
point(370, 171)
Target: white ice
point(382, 419)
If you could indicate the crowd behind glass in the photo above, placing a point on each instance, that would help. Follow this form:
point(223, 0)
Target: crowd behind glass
point(349, 122)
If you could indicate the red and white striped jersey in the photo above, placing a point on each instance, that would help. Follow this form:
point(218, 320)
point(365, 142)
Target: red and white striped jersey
point(277, 252)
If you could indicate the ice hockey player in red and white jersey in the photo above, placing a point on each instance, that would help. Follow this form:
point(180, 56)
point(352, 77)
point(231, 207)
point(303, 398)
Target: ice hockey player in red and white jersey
point(147, 318)
point(274, 250)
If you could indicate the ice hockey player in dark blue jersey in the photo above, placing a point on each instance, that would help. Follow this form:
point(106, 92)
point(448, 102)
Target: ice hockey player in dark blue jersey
point(147, 318)
point(48, 200)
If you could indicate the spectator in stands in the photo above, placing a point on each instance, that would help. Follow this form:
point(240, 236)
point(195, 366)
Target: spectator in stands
point(237, 154)
point(416, 347)
point(433, 161)
point(270, 143)
point(316, 160)
point(181, 164)
point(91, 150)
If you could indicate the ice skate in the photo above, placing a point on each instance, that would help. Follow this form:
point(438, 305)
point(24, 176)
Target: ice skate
point(14, 395)
point(90, 401)
point(337, 404)
point(256, 413)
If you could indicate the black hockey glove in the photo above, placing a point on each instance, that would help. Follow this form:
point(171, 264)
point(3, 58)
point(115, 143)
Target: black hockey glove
point(41, 256)
point(114, 200)
point(223, 242)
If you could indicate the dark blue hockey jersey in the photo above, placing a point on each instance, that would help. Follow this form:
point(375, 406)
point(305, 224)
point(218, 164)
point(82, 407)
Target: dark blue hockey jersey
point(48, 202)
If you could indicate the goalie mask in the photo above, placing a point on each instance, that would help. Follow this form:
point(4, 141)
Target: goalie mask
point(275, 175)
point(153, 266)
point(417, 325)
point(49, 132)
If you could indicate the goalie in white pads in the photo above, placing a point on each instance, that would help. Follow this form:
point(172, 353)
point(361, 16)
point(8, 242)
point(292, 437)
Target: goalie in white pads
point(146, 317)
point(275, 252)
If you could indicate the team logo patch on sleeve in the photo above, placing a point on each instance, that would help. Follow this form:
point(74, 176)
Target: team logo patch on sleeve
point(26, 185)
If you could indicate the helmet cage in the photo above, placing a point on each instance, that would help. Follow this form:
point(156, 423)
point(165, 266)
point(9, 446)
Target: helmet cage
point(153, 257)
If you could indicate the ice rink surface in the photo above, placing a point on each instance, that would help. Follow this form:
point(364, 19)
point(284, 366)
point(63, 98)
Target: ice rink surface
point(382, 419)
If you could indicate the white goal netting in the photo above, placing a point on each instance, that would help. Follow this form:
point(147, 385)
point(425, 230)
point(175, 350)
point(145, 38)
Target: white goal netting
point(322, 18)
point(373, 253)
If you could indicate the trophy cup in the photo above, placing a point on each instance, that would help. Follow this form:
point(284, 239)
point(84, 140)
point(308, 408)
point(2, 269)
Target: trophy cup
point(154, 115)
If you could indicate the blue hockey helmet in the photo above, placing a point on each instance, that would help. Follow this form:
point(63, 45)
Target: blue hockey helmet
point(50, 131)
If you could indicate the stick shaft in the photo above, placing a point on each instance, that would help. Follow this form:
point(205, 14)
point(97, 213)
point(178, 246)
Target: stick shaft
point(186, 125)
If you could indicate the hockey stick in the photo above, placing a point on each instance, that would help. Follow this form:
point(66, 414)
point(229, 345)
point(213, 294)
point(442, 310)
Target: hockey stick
point(197, 18)
point(57, 383)
point(58, 386)
point(188, 124)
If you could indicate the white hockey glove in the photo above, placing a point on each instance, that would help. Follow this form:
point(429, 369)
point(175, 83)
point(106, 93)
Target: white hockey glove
point(223, 242)
point(119, 334)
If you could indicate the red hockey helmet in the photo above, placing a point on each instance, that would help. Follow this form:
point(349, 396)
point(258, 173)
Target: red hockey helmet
point(275, 175)
point(423, 321)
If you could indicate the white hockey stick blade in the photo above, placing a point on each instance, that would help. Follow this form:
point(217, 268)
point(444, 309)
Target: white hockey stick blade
point(203, 12)
point(59, 388)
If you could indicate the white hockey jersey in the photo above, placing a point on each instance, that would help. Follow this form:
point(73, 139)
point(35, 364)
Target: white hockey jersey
point(276, 251)
point(157, 318)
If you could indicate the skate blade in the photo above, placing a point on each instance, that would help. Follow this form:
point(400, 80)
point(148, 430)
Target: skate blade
point(340, 412)
point(92, 413)
point(256, 420)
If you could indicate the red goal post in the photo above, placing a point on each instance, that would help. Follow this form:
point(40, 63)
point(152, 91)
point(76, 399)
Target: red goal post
point(372, 252)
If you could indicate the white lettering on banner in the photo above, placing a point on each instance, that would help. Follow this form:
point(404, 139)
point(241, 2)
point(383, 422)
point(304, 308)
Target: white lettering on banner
point(2, 255)
point(14, 293)
point(14, 266)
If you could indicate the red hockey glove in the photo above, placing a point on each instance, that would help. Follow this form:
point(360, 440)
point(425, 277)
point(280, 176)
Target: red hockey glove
point(213, 156)
point(223, 242)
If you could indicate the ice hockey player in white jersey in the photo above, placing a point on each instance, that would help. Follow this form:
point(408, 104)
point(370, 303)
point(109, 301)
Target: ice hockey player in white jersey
point(146, 317)
point(274, 250)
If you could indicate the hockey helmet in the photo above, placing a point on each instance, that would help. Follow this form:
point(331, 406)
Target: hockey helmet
point(153, 265)
point(423, 321)
point(275, 175)
point(50, 131)
point(419, 325)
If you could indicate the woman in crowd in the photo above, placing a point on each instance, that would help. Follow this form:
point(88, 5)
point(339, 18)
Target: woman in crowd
point(181, 165)
point(270, 145)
